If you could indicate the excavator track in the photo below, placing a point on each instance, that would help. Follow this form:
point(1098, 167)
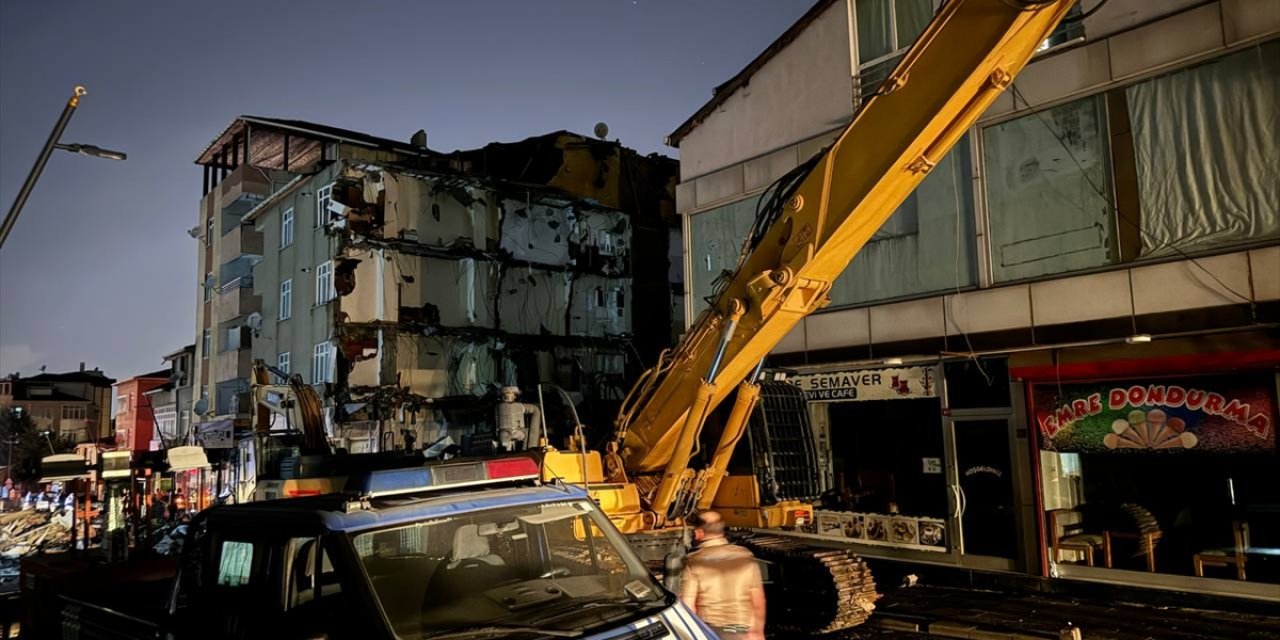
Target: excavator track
point(812, 590)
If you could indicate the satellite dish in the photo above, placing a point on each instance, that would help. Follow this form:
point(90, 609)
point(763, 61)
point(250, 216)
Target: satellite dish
point(202, 406)
point(255, 322)
point(194, 232)
point(601, 130)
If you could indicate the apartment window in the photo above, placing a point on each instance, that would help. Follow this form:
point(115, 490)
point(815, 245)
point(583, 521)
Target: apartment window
point(324, 196)
point(282, 363)
point(322, 363)
point(324, 283)
point(286, 299)
point(208, 233)
point(206, 343)
point(1049, 191)
point(208, 286)
point(6, 388)
point(885, 29)
point(122, 404)
point(72, 412)
point(286, 228)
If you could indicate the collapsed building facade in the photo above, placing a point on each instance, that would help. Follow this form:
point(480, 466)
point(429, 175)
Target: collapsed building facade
point(411, 286)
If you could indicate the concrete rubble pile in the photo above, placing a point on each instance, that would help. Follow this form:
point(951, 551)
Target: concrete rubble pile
point(24, 533)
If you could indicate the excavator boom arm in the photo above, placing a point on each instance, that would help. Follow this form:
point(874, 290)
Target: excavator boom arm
point(965, 58)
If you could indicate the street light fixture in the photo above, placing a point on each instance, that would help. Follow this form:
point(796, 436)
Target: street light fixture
point(92, 151)
point(49, 145)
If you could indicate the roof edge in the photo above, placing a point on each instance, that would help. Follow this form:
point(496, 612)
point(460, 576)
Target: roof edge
point(743, 77)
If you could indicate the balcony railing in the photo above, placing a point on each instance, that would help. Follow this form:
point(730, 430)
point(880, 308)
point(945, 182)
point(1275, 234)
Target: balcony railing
point(238, 283)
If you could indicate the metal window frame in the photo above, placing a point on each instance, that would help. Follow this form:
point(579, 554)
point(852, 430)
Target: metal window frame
point(286, 299)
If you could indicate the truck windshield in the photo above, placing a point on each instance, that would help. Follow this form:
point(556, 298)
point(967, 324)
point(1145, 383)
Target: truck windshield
point(558, 567)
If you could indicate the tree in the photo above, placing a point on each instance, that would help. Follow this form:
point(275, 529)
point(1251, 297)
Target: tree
point(24, 444)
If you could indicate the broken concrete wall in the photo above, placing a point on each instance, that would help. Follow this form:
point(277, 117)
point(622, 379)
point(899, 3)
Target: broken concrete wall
point(446, 292)
point(601, 241)
point(533, 301)
point(536, 231)
point(600, 306)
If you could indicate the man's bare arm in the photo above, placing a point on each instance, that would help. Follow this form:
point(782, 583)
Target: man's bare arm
point(757, 607)
point(689, 590)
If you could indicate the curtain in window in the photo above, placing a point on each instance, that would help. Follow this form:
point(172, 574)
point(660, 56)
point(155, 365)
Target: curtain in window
point(912, 17)
point(926, 246)
point(1048, 191)
point(1207, 144)
point(875, 29)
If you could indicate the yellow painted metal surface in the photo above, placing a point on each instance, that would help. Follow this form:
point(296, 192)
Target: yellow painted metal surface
point(964, 59)
point(567, 466)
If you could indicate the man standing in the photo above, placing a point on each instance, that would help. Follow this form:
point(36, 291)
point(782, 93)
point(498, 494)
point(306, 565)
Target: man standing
point(721, 583)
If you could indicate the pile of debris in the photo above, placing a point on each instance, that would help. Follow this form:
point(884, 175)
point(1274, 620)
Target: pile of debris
point(24, 533)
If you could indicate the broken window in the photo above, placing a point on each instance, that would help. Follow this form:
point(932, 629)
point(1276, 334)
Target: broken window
point(324, 196)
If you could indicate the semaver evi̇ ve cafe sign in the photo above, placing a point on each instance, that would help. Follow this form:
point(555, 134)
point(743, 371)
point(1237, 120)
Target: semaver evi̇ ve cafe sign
point(1210, 413)
point(867, 384)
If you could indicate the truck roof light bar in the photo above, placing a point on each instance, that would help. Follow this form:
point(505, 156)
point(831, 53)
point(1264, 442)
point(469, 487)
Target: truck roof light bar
point(391, 482)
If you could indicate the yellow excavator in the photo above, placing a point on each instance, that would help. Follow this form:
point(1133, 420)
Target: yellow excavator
point(809, 226)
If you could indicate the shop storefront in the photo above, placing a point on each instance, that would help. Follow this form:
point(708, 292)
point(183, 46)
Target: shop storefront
point(923, 462)
point(1160, 473)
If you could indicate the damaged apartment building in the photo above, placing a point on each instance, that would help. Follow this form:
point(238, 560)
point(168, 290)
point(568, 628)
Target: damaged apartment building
point(411, 286)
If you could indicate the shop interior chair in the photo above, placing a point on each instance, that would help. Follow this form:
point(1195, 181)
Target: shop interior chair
point(1067, 530)
point(1146, 533)
point(1227, 556)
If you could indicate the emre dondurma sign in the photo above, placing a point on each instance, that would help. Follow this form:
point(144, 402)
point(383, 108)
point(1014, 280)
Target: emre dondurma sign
point(867, 384)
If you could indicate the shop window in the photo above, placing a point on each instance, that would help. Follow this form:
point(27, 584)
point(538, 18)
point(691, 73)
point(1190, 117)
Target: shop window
point(1172, 476)
point(1202, 185)
point(1049, 191)
point(890, 482)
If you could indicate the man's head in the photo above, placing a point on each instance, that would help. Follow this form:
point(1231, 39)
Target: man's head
point(708, 525)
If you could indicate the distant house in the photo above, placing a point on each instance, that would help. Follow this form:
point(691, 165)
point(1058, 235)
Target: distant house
point(171, 402)
point(135, 417)
point(74, 405)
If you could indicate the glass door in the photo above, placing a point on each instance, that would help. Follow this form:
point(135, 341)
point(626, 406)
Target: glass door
point(984, 507)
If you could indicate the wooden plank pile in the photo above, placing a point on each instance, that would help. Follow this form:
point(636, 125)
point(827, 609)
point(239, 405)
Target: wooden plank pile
point(24, 533)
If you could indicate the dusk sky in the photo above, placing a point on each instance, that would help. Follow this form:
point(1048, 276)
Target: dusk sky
point(100, 268)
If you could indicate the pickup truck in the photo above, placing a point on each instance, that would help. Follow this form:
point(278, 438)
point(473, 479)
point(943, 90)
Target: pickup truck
point(460, 550)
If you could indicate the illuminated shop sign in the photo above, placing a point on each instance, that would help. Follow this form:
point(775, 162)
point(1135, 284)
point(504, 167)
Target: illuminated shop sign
point(867, 384)
point(1204, 413)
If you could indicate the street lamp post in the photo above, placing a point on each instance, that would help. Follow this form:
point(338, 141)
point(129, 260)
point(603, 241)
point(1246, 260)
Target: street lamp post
point(49, 145)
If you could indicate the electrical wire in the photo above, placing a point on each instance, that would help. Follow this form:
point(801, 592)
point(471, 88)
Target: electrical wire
point(1085, 14)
